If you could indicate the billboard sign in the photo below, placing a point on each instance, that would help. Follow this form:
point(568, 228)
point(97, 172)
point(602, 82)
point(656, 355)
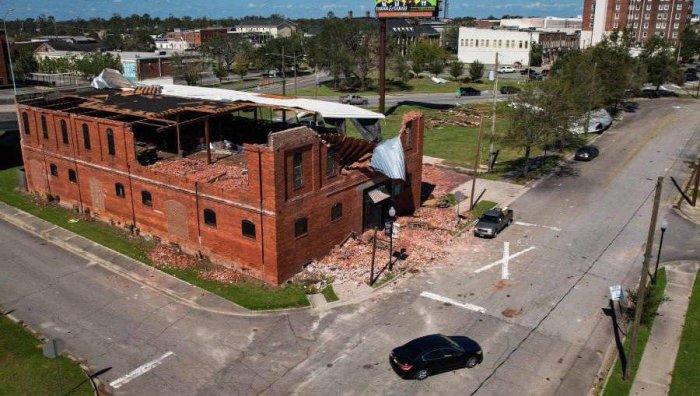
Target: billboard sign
point(406, 8)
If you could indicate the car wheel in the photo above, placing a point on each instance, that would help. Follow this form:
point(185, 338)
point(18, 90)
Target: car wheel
point(472, 362)
point(422, 374)
point(510, 221)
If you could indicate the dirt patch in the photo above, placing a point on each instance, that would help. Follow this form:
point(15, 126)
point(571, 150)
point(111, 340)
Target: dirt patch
point(463, 116)
point(510, 312)
point(500, 285)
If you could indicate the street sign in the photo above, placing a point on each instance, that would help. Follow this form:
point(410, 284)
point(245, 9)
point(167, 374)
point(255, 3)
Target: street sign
point(616, 292)
point(459, 196)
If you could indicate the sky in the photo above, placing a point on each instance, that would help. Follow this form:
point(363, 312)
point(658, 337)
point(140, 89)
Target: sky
point(290, 8)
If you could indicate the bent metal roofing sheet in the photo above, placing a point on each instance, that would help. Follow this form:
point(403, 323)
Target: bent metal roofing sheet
point(325, 109)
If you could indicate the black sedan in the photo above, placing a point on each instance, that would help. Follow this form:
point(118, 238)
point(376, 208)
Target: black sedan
point(507, 90)
point(586, 153)
point(435, 354)
point(468, 91)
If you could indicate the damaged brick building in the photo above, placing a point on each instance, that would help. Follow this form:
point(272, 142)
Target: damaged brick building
point(255, 182)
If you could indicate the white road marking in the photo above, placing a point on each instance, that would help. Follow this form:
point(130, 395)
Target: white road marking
point(506, 255)
point(139, 371)
point(495, 263)
point(448, 300)
point(537, 225)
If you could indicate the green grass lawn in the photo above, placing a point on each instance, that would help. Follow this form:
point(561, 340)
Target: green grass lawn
point(616, 386)
point(25, 371)
point(250, 294)
point(329, 294)
point(686, 373)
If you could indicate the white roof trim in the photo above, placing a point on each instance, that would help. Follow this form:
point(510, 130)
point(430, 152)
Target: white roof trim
point(325, 109)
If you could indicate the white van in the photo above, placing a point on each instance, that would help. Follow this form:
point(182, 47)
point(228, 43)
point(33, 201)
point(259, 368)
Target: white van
point(506, 69)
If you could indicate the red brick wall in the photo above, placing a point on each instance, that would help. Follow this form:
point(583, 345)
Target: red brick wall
point(177, 212)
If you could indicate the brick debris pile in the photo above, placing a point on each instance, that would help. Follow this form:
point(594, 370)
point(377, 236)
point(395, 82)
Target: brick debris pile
point(458, 116)
point(170, 257)
point(219, 174)
point(444, 180)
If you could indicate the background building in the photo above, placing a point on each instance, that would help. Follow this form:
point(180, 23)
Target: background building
point(482, 45)
point(645, 18)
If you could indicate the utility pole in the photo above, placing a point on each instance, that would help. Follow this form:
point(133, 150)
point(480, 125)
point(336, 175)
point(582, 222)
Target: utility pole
point(476, 164)
point(642, 288)
point(9, 51)
point(493, 115)
point(382, 64)
point(284, 76)
point(295, 72)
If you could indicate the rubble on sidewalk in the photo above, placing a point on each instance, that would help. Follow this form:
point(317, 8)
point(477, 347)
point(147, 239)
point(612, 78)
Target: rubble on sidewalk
point(170, 257)
point(444, 180)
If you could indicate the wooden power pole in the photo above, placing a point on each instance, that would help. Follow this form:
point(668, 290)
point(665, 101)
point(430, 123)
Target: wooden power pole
point(476, 163)
point(642, 288)
point(382, 64)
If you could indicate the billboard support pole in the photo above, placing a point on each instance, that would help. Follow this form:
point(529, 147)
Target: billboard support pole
point(382, 64)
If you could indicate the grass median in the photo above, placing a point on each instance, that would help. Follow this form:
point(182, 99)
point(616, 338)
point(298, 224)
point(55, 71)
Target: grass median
point(25, 371)
point(686, 374)
point(249, 293)
point(616, 386)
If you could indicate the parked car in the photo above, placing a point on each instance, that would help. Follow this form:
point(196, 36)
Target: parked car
point(468, 91)
point(691, 77)
point(535, 75)
point(434, 354)
point(493, 222)
point(353, 99)
point(506, 69)
point(652, 92)
point(586, 153)
point(507, 90)
point(526, 70)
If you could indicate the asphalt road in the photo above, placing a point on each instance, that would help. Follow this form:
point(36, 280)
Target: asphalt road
point(542, 329)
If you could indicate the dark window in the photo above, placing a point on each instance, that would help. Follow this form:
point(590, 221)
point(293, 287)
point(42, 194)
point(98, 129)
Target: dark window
point(110, 142)
point(86, 136)
point(336, 211)
point(408, 181)
point(434, 355)
point(119, 190)
point(409, 131)
point(72, 176)
point(330, 163)
point(44, 127)
point(248, 229)
point(298, 170)
point(54, 169)
point(301, 227)
point(146, 198)
point(25, 122)
point(64, 131)
point(210, 217)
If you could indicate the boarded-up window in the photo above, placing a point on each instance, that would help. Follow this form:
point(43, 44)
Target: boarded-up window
point(44, 127)
point(298, 170)
point(210, 218)
point(110, 142)
point(86, 136)
point(301, 227)
point(336, 211)
point(25, 123)
point(248, 229)
point(64, 131)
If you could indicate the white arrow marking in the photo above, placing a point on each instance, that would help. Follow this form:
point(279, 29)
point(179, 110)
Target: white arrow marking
point(537, 225)
point(448, 300)
point(506, 255)
point(139, 371)
point(495, 263)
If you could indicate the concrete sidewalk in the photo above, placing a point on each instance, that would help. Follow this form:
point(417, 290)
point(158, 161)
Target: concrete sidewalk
point(118, 263)
point(655, 371)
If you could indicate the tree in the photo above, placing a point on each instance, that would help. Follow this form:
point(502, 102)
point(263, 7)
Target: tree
point(220, 70)
point(536, 53)
point(139, 40)
point(241, 63)
point(426, 55)
point(92, 64)
point(24, 63)
point(450, 39)
point(616, 70)
point(476, 71)
point(689, 44)
point(657, 55)
point(456, 68)
point(401, 68)
point(225, 47)
point(189, 70)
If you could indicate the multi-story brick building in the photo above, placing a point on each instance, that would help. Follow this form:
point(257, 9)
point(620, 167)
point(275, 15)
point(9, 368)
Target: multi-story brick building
point(231, 180)
point(196, 37)
point(645, 18)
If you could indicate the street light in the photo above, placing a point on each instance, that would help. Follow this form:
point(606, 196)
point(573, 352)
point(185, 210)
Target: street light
point(664, 226)
point(284, 64)
point(9, 51)
point(392, 213)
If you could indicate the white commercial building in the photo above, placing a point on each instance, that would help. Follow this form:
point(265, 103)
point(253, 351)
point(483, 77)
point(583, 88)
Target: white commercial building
point(482, 45)
point(546, 24)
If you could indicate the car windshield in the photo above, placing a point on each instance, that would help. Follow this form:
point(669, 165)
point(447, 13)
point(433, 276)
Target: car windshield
point(490, 219)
